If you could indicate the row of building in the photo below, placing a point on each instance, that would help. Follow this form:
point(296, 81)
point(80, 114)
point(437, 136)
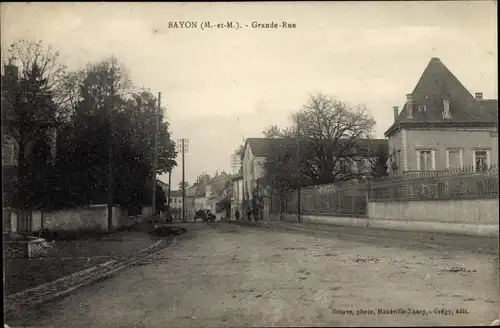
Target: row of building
point(207, 193)
point(440, 127)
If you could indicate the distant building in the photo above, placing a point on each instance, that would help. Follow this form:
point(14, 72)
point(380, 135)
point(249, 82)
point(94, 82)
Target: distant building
point(216, 190)
point(176, 199)
point(190, 201)
point(237, 196)
point(443, 126)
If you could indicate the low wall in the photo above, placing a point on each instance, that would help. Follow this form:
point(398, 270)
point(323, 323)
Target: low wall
point(465, 211)
point(490, 230)
point(405, 224)
point(13, 221)
point(36, 221)
point(329, 220)
point(147, 211)
point(94, 218)
point(274, 217)
point(120, 218)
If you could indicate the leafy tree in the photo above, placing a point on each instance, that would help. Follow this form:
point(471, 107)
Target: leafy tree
point(379, 166)
point(127, 120)
point(110, 123)
point(240, 151)
point(142, 109)
point(97, 118)
point(183, 187)
point(161, 198)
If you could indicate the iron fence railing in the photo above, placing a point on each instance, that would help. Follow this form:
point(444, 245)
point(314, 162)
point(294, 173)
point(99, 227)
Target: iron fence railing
point(352, 198)
point(331, 199)
point(470, 169)
point(437, 185)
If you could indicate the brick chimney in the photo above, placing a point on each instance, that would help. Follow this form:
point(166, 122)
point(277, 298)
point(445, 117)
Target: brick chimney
point(396, 112)
point(409, 105)
point(479, 96)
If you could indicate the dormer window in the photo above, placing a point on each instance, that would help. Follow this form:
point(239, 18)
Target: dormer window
point(446, 108)
point(422, 108)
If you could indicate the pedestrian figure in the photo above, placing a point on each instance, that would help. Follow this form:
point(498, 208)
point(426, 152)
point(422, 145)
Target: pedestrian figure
point(211, 216)
point(249, 214)
point(237, 215)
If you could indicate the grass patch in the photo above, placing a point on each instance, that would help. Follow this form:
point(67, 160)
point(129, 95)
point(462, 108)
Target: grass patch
point(22, 274)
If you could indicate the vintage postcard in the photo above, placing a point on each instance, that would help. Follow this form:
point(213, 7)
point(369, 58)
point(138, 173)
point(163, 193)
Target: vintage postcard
point(236, 164)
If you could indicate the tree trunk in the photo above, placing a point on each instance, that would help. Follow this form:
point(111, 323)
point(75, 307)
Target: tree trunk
point(21, 175)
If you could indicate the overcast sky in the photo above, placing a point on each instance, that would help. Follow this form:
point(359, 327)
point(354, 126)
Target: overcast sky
point(223, 85)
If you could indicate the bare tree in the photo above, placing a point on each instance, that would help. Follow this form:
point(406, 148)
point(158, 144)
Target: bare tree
point(336, 130)
point(43, 73)
point(240, 151)
point(272, 131)
point(332, 147)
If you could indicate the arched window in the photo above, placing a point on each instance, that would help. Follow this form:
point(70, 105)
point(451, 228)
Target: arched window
point(10, 151)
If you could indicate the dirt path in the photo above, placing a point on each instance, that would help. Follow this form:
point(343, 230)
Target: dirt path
point(228, 275)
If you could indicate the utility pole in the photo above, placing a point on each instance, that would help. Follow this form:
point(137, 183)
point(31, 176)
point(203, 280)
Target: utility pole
point(110, 109)
point(183, 182)
point(298, 168)
point(155, 158)
point(169, 187)
point(183, 143)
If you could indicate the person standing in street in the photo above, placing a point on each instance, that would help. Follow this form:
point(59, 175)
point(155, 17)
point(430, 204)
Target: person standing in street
point(237, 214)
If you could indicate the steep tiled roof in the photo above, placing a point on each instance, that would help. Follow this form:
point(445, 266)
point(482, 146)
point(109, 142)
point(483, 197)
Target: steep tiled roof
point(491, 106)
point(265, 147)
point(199, 190)
point(374, 145)
point(436, 83)
point(175, 193)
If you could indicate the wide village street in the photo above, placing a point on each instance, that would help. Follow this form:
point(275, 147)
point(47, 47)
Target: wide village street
point(250, 164)
point(230, 275)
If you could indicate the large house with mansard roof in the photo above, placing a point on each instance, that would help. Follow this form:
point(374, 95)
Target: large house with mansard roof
point(443, 126)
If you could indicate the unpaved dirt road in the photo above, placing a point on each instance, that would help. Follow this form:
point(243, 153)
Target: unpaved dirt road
point(230, 275)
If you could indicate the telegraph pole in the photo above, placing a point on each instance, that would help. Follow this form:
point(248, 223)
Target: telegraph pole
point(183, 144)
point(155, 158)
point(298, 168)
point(110, 150)
point(183, 182)
point(169, 188)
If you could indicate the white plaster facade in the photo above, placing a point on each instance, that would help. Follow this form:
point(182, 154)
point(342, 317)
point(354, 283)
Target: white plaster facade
point(253, 169)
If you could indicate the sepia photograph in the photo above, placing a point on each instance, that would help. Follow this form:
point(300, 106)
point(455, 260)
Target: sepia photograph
point(250, 164)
